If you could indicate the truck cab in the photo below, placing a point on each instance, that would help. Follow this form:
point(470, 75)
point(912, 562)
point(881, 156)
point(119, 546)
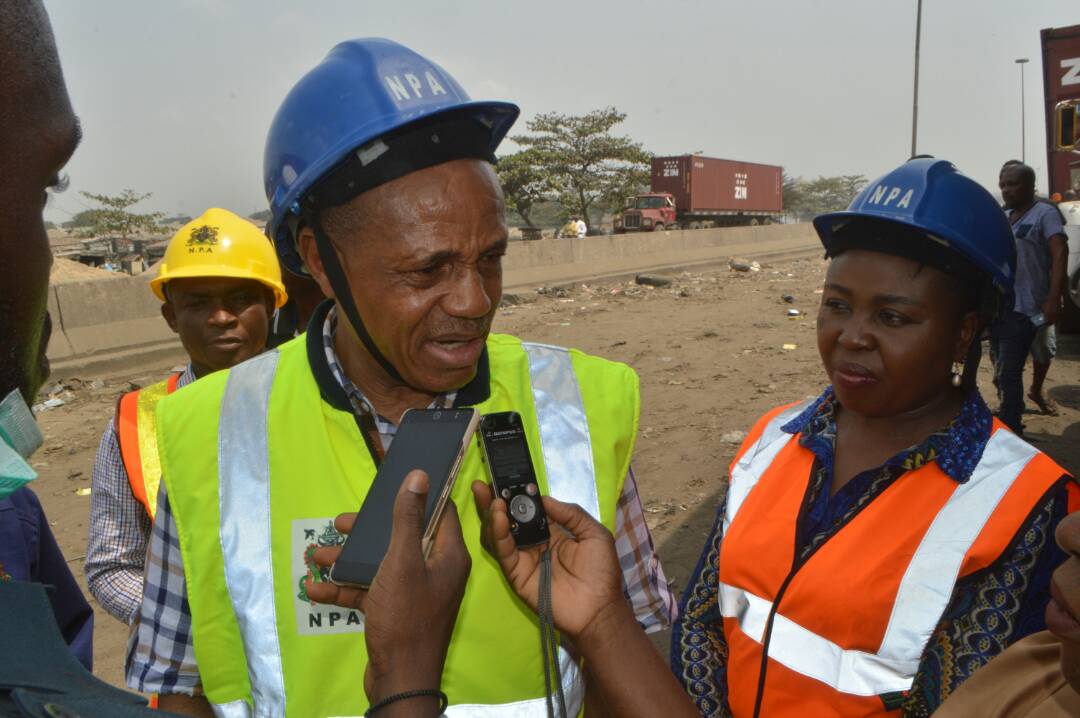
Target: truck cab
point(649, 212)
point(1071, 210)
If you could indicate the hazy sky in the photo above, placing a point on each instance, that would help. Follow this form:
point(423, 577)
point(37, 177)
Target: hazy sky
point(176, 97)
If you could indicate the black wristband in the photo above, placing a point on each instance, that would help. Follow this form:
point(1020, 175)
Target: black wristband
point(444, 702)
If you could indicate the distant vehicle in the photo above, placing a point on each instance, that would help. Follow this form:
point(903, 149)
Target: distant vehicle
point(695, 192)
point(1061, 86)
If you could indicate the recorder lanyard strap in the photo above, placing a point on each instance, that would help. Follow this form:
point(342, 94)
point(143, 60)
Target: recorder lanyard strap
point(549, 642)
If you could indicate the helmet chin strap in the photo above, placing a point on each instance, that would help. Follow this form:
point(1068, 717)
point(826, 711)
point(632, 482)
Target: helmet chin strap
point(340, 284)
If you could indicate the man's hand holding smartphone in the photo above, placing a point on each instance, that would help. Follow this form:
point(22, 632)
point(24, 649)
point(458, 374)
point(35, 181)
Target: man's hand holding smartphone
point(406, 638)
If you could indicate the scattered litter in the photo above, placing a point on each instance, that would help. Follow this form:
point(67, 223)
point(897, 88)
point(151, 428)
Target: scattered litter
point(743, 265)
point(553, 291)
point(84, 491)
point(793, 312)
point(48, 404)
point(564, 324)
point(510, 299)
point(619, 344)
point(676, 382)
point(788, 298)
point(73, 474)
point(652, 280)
point(665, 359)
point(684, 292)
point(790, 347)
point(708, 334)
point(819, 291)
point(733, 437)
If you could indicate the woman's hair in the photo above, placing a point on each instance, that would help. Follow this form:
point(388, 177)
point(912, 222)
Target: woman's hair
point(972, 286)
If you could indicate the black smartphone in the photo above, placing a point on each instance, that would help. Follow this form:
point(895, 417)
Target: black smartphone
point(509, 464)
point(432, 440)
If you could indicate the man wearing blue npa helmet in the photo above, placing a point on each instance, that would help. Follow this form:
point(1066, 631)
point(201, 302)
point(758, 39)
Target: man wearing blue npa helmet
point(378, 172)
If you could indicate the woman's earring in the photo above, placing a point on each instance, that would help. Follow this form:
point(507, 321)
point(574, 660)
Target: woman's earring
point(957, 373)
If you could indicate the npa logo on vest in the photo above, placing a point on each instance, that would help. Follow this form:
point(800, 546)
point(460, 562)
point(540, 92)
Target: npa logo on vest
point(312, 619)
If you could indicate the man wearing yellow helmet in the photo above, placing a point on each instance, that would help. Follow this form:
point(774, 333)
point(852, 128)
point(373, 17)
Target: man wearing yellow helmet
point(219, 283)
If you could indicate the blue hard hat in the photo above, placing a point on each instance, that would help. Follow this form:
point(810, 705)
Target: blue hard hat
point(361, 91)
point(932, 196)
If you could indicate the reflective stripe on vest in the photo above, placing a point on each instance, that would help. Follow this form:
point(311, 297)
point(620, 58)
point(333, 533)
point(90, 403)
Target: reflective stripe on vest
point(563, 427)
point(924, 591)
point(757, 457)
point(245, 532)
point(136, 433)
point(244, 492)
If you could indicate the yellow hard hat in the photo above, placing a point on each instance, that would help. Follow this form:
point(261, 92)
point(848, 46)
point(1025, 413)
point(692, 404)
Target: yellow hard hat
point(220, 244)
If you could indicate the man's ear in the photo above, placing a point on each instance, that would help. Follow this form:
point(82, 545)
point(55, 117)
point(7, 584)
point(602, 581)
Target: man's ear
point(169, 312)
point(309, 252)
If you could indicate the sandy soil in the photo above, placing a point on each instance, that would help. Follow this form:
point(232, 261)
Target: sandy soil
point(68, 270)
point(711, 353)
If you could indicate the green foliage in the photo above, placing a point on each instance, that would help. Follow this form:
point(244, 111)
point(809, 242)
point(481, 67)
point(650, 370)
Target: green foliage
point(82, 220)
point(525, 182)
point(114, 220)
point(805, 199)
point(583, 165)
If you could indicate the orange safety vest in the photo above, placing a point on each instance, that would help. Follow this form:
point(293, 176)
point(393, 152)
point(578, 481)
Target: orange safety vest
point(846, 629)
point(136, 430)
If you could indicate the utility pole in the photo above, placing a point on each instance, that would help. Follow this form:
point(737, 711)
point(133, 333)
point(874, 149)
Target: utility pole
point(1021, 61)
point(915, 94)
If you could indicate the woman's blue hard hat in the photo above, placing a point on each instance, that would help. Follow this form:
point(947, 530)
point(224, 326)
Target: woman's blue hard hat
point(933, 197)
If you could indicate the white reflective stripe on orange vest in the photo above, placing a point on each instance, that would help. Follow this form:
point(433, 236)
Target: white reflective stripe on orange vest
point(245, 533)
point(922, 597)
point(758, 456)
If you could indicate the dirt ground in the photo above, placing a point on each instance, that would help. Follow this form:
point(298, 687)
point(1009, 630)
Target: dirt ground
point(714, 350)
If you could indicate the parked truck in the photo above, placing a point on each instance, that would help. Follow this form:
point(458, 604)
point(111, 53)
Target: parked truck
point(1061, 86)
point(695, 192)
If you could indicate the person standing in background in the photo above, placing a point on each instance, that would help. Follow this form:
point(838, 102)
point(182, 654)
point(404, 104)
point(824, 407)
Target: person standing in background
point(1041, 258)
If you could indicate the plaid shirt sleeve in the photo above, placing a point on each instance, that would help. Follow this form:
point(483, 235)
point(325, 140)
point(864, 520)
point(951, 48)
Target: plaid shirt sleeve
point(119, 529)
point(161, 654)
point(644, 583)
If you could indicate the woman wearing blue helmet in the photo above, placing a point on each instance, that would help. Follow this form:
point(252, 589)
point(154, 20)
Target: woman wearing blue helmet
point(876, 545)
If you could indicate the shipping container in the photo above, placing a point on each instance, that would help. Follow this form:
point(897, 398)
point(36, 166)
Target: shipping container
point(704, 185)
point(1061, 86)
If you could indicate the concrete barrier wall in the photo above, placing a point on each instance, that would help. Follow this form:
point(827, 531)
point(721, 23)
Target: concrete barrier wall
point(106, 315)
point(596, 251)
point(95, 316)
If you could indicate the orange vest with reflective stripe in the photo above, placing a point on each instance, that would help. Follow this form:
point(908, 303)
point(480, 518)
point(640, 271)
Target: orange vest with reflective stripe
point(846, 629)
point(136, 430)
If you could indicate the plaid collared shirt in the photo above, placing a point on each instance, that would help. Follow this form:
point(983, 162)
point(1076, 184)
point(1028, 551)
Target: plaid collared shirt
point(161, 658)
point(119, 529)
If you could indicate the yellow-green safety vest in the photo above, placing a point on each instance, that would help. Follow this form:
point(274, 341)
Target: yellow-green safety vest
point(256, 465)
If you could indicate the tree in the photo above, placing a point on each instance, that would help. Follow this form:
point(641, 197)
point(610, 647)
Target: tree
point(114, 219)
point(805, 199)
point(588, 166)
point(525, 182)
point(82, 220)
